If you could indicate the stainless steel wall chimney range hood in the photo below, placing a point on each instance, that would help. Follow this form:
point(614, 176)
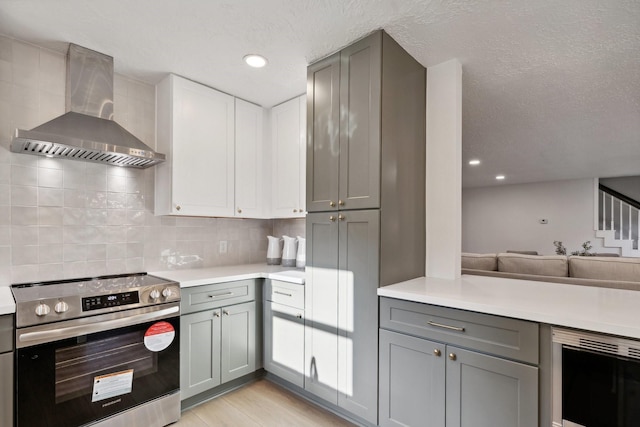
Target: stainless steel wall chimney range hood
point(87, 131)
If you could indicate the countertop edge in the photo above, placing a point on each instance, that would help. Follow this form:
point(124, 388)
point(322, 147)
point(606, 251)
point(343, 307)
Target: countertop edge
point(7, 304)
point(213, 275)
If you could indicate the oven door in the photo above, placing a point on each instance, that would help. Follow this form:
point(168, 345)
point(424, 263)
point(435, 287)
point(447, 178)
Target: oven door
point(96, 373)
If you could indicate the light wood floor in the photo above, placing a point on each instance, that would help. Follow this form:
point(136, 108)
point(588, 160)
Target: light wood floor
point(261, 403)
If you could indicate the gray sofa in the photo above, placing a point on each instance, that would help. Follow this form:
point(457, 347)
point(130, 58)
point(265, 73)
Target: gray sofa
point(609, 272)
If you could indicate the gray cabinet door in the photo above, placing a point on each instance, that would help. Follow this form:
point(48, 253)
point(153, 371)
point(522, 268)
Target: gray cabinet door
point(321, 307)
point(412, 381)
point(323, 139)
point(238, 345)
point(284, 342)
point(486, 391)
point(358, 254)
point(360, 98)
point(199, 352)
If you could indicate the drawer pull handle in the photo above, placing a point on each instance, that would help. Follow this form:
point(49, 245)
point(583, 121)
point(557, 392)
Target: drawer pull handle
point(282, 293)
point(220, 295)
point(440, 325)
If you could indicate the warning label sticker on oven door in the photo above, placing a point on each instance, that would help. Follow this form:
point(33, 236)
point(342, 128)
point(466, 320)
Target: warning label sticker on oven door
point(159, 336)
point(111, 385)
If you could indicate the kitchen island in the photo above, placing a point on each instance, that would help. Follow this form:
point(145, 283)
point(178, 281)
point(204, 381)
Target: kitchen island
point(605, 310)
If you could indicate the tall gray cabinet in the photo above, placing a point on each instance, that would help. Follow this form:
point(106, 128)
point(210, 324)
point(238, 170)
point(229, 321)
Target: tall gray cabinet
point(366, 203)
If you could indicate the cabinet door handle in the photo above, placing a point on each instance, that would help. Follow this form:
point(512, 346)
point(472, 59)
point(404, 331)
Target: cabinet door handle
point(341, 217)
point(220, 295)
point(282, 293)
point(299, 316)
point(437, 352)
point(295, 211)
point(178, 207)
point(225, 312)
point(332, 218)
point(332, 204)
point(239, 210)
point(452, 356)
point(216, 314)
point(440, 325)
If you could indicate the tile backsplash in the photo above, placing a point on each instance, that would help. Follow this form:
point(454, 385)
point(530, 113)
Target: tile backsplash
point(63, 219)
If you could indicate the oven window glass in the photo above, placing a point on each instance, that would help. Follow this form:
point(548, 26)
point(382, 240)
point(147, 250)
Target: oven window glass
point(76, 381)
point(78, 365)
point(600, 390)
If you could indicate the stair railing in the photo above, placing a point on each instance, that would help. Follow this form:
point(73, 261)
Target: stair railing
point(619, 213)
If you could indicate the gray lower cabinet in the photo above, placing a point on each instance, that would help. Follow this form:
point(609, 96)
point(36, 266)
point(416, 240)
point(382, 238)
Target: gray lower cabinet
point(284, 330)
point(341, 336)
point(428, 382)
point(218, 342)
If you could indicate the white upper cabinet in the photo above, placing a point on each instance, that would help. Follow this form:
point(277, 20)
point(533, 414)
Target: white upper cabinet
point(288, 128)
point(196, 129)
point(250, 185)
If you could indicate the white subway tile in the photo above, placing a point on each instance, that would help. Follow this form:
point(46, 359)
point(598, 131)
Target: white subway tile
point(51, 106)
point(74, 216)
point(96, 252)
point(52, 72)
point(50, 163)
point(96, 182)
point(26, 96)
point(116, 217)
point(24, 255)
point(116, 266)
point(96, 199)
point(5, 194)
point(48, 235)
point(50, 215)
point(75, 198)
point(116, 183)
point(96, 216)
point(24, 235)
point(116, 200)
point(23, 215)
point(48, 272)
point(115, 234)
point(24, 196)
point(5, 256)
point(48, 254)
point(6, 71)
point(50, 197)
point(116, 250)
point(96, 268)
point(135, 250)
point(73, 252)
point(75, 270)
point(21, 175)
point(6, 49)
point(25, 54)
point(24, 273)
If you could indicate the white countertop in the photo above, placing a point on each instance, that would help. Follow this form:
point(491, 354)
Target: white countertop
point(7, 304)
point(611, 311)
point(207, 276)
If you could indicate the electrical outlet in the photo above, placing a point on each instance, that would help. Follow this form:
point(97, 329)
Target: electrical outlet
point(223, 246)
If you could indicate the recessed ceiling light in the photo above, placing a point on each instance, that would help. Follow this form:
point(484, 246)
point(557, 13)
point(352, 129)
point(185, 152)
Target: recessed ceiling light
point(500, 177)
point(254, 60)
point(474, 162)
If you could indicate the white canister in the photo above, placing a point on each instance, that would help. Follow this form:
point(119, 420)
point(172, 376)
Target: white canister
point(289, 252)
point(274, 252)
point(301, 256)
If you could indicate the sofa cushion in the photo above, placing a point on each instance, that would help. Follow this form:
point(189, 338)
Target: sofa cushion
point(545, 265)
point(605, 268)
point(487, 262)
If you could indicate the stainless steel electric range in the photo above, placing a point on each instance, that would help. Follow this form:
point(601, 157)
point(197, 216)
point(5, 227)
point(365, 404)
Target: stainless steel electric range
point(99, 351)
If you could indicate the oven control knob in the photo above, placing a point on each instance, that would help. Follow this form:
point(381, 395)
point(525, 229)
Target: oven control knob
point(154, 294)
point(167, 292)
point(42, 309)
point(61, 307)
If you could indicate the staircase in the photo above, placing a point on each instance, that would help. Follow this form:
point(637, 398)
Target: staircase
point(618, 221)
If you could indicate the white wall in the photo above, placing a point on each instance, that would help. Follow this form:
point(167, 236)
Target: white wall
point(63, 218)
point(501, 218)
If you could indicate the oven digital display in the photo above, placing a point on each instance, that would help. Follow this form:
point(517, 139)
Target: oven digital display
point(112, 300)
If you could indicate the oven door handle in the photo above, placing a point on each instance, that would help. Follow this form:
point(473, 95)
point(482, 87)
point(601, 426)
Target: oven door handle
point(97, 324)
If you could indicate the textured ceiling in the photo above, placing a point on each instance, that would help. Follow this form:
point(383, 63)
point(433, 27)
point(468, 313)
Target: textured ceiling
point(551, 89)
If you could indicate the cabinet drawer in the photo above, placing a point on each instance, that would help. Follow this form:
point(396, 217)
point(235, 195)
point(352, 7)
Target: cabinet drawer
point(206, 297)
point(506, 337)
point(285, 293)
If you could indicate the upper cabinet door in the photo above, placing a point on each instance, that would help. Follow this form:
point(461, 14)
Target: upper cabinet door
point(249, 182)
point(360, 97)
point(323, 129)
point(196, 126)
point(289, 158)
